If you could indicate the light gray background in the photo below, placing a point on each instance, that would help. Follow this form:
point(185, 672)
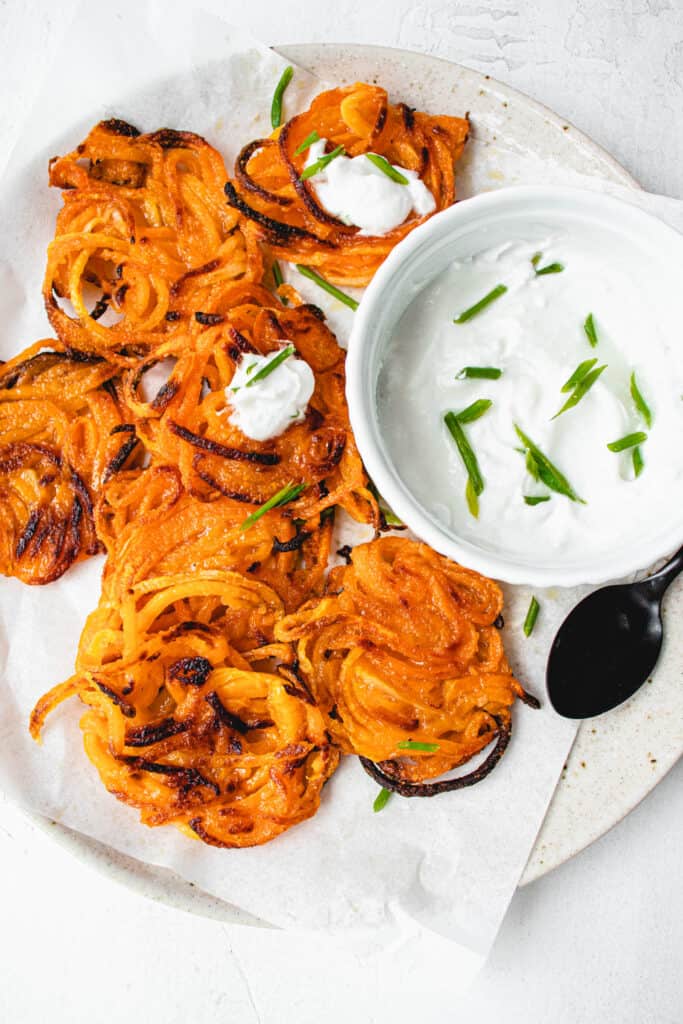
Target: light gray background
point(598, 940)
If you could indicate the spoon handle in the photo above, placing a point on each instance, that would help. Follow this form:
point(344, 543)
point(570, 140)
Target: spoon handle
point(659, 581)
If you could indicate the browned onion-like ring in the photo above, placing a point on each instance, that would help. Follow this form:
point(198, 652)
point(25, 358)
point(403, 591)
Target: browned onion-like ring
point(403, 788)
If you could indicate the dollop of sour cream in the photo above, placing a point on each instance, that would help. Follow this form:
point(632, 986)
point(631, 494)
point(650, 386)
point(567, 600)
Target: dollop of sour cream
point(535, 335)
point(357, 192)
point(268, 406)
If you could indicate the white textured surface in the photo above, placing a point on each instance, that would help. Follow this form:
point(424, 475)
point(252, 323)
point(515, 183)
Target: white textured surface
point(600, 939)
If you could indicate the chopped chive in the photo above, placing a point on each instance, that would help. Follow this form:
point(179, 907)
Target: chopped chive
point(276, 105)
point(536, 499)
point(475, 411)
point(307, 143)
point(552, 268)
point(321, 164)
point(251, 368)
point(278, 278)
point(531, 467)
point(381, 800)
point(471, 499)
point(479, 373)
point(628, 441)
point(326, 286)
point(590, 331)
point(579, 373)
point(536, 259)
point(389, 169)
point(638, 462)
point(288, 493)
point(640, 403)
point(547, 472)
point(494, 294)
point(581, 389)
point(429, 748)
point(531, 616)
point(466, 454)
point(266, 370)
point(390, 517)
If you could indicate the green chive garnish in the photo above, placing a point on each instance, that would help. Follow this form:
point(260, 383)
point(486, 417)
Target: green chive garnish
point(326, 286)
point(381, 800)
point(278, 278)
point(471, 499)
point(536, 499)
point(640, 403)
point(469, 459)
point(579, 373)
point(475, 411)
point(288, 493)
point(581, 389)
point(479, 373)
point(590, 331)
point(629, 441)
point(547, 472)
point(266, 370)
point(276, 105)
point(307, 143)
point(321, 164)
point(531, 616)
point(552, 268)
point(390, 517)
point(494, 294)
point(389, 169)
point(530, 462)
point(638, 463)
point(429, 748)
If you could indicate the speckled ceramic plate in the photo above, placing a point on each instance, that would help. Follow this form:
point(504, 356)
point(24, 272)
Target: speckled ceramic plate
point(616, 759)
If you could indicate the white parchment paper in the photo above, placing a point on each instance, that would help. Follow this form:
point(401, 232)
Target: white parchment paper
point(421, 871)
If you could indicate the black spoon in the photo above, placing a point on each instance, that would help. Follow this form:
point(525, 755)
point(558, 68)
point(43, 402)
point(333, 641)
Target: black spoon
point(608, 645)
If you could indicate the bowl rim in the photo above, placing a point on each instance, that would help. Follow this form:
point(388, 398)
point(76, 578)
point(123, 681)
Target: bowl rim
point(363, 336)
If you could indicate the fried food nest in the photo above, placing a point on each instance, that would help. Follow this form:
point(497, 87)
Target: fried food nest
point(403, 649)
point(151, 526)
point(283, 211)
point(190, 719)
point(188, 423)
point(144, 224)
point(62, 436)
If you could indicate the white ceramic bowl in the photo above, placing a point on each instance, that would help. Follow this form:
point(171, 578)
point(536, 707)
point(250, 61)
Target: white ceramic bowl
point(417, 261)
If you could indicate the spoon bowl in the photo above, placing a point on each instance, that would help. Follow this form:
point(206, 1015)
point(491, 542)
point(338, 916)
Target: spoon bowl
point(608, 645)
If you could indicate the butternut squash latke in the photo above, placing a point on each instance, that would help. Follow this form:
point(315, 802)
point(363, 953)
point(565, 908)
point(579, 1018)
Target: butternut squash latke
point(403, 656)
point(225, 670)
point(282, 210)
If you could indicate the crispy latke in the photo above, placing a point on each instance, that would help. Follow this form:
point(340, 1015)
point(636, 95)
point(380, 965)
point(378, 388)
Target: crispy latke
point(189, 719)
point(144, 222)
point(283, 211)
point(62, 436)
point(403, 649)
point(188, 423)
point(152, 526)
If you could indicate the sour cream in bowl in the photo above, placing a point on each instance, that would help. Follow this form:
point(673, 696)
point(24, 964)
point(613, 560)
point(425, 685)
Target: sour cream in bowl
point(515, 385)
